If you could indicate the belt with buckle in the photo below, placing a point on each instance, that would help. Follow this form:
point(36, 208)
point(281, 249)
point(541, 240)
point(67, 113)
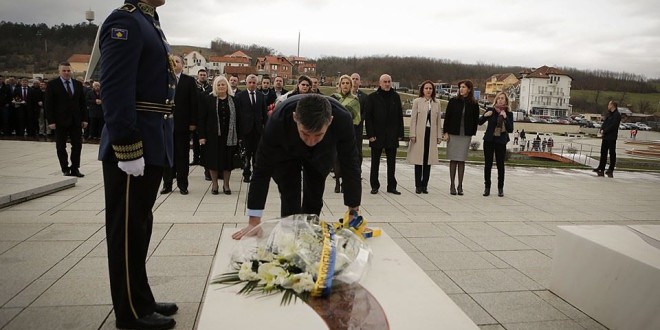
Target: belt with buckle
point(164, 108)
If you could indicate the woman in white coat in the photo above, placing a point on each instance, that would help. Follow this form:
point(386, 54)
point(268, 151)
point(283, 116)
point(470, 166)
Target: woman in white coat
point(425, 131)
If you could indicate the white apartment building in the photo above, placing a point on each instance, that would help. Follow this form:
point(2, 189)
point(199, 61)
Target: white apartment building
point(545, 91)
point(192, 62)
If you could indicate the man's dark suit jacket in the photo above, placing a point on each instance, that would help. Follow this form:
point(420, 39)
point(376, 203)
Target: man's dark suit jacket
point(63, 109)
point(18, 95)
point(253, 117)
point(185, 102)
point(281, 147)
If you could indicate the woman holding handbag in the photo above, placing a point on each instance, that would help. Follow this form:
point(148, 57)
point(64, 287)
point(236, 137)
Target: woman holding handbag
point(424, 135)
point(218, 131)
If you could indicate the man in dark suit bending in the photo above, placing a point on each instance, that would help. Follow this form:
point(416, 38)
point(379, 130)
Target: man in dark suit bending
point(303, 134)
point(66, 112)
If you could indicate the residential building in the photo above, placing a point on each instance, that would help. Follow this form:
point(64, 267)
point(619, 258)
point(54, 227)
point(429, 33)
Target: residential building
point(79, 63)
point(301, 66)
point(500, 82)
point(217, 64)
point(275, 66)
point(240, 71)
point(545, 91)
point(192, 62)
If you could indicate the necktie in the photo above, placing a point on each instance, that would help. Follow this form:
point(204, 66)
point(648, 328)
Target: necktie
point(252, 97)
point(68, 87)
point(24, 93)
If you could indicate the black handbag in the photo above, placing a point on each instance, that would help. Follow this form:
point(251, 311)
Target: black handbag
point(238, 157)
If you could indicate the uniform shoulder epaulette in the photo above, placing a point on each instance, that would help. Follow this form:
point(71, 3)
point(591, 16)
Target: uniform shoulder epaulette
point(127, 7)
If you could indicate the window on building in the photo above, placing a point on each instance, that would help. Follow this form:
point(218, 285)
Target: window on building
point(273, 67)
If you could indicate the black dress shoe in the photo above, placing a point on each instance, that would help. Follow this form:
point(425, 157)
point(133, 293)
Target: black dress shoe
point(166, 190)
point(183, 191)
point(500, 192)
point(418, 190)
point(425, 191)
point(452, 190)
point(610, 174)
point(152, 321)
point(487, 192)
point(394, 191)
point(459, 190)
point(374, 191)
point(75, 172)
point(226, 191)
point(600, 173)
point(66, 172)
point(214, 191)
point(166, 309)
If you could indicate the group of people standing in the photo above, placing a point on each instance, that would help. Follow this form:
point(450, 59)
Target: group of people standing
point(147, 99)
point(460, 124)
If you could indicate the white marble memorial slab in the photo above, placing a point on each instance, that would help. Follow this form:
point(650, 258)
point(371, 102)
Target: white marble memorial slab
point(612, 273)
point(410, 299)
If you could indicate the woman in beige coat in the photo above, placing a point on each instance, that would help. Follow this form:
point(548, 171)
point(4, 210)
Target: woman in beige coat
point(425, 130)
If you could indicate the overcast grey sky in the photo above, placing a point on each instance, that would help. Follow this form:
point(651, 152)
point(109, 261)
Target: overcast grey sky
point(613, 35)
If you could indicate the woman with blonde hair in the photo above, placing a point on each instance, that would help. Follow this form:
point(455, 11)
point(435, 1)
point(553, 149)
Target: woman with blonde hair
point(218, 131)
point(351, 103)
point(500, 124)
point(424, 135)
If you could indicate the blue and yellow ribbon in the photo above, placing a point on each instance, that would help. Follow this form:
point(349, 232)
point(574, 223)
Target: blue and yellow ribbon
point(326, 270)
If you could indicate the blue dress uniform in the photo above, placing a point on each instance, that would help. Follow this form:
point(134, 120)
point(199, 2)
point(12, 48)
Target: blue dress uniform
point(138, 85)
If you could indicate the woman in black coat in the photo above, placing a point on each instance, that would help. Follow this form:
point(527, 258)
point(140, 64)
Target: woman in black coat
point(218, 131)
point(500, 124)
point(459, 126)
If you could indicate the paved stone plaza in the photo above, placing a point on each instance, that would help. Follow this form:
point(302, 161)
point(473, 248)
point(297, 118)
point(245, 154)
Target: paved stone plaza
point(491, 255)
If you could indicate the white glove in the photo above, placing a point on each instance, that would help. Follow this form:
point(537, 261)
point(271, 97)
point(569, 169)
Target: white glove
point(133, 167)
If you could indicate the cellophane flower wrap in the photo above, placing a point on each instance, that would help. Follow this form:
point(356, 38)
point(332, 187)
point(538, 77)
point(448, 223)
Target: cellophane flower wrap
point(300, 256)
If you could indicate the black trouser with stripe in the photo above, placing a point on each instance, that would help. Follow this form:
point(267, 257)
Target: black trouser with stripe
point(128, 225)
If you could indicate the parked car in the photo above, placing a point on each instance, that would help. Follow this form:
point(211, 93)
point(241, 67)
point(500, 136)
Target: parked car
point(631, 126)
point(643, 127)
point(407, 112)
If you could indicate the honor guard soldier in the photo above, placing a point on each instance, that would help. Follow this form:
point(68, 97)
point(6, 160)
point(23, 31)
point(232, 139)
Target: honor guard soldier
point(138, 86)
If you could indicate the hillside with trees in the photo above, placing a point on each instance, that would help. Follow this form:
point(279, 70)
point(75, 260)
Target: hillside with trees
point(38, 48)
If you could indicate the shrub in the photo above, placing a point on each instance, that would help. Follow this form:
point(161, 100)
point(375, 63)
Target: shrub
point(474, 145)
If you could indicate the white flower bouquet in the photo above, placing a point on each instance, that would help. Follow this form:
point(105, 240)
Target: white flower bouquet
point(299, 256)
